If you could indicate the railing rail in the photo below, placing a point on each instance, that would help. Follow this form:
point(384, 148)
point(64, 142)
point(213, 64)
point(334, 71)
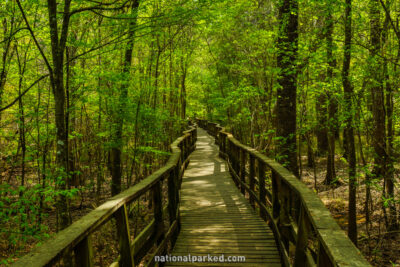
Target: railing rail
point(304, 229)
point(77, 237)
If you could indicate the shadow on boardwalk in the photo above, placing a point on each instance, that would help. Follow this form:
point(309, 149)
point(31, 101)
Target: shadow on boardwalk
point(216, 218)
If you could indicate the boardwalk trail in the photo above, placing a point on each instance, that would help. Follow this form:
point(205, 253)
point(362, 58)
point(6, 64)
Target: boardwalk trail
point(216, 218)
point(218, 225)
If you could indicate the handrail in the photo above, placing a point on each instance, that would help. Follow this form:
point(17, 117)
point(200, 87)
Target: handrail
point(76, 237)
point(295, 213)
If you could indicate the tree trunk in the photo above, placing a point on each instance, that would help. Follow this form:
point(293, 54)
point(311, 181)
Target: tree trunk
point(377, 95)
point(6, 56)
point(349, 131)
point(183, 89)
point(389, 168)
point(116, 151)
point(57, 81)
point(332, 105)
point(321, 131)
point(287, 91)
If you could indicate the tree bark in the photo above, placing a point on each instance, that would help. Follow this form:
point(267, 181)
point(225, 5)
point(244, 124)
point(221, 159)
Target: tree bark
point(349, 131)
point(389, 168)
point(287, 80)
point(58, 44)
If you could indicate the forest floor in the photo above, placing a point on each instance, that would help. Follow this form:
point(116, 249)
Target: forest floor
point(380, 247)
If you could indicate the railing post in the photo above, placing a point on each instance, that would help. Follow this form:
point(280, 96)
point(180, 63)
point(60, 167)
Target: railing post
point(184, 148)
point(237, 160)
point(251, 178)
point(221, 145)
point(158, 214)
point(173, 195)
point(84, 253)
point(224, 143)
point(121, 216)
point(172, 188)
point(217, 136)
point(322, 258)
point(242, 153)
point(178, 182)
point(181, 158)
point(192, 141)
point(302, 240)
point(275, 197)
point(178, 179)
point(229, 151)
point(284, 219)
point(262, 191)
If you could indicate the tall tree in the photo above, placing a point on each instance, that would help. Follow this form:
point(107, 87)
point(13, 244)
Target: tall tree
point(287, 80)
point(58, 45)
point(116, 152)
point(389, 175)
point(349, 130)
point(332, 105)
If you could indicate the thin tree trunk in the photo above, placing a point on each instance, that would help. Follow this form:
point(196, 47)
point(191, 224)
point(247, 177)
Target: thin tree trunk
point(389, 177)
point(6, 55)
point(348, 94)
point(321, 131)
point(183, 89)
point(332, 105)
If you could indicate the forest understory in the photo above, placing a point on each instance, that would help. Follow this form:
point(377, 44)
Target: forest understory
point(379, 246)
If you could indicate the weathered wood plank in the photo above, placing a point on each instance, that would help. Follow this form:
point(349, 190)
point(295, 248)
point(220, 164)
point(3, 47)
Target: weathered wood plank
point(215, 216)
point(256, 245)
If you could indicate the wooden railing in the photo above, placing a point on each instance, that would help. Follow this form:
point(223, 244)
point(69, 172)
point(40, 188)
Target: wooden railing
point(304, 229)
point(77, 237)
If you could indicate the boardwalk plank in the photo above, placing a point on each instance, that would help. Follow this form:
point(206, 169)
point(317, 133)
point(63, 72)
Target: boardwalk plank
point(216, 218)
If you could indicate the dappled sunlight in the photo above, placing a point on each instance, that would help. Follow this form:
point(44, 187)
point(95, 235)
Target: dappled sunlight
point(215, 216)
point(200, 171)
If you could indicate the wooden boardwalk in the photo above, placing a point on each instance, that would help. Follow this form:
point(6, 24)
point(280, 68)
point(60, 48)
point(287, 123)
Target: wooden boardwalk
point(216, 218)
point(217, 222)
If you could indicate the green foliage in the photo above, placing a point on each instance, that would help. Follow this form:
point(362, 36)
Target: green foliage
point(21, 207)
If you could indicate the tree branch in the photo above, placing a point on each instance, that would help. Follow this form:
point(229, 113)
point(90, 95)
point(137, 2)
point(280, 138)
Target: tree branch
point(98, 7)
point(34, 39)
point(23, 93)
point(390, 19)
